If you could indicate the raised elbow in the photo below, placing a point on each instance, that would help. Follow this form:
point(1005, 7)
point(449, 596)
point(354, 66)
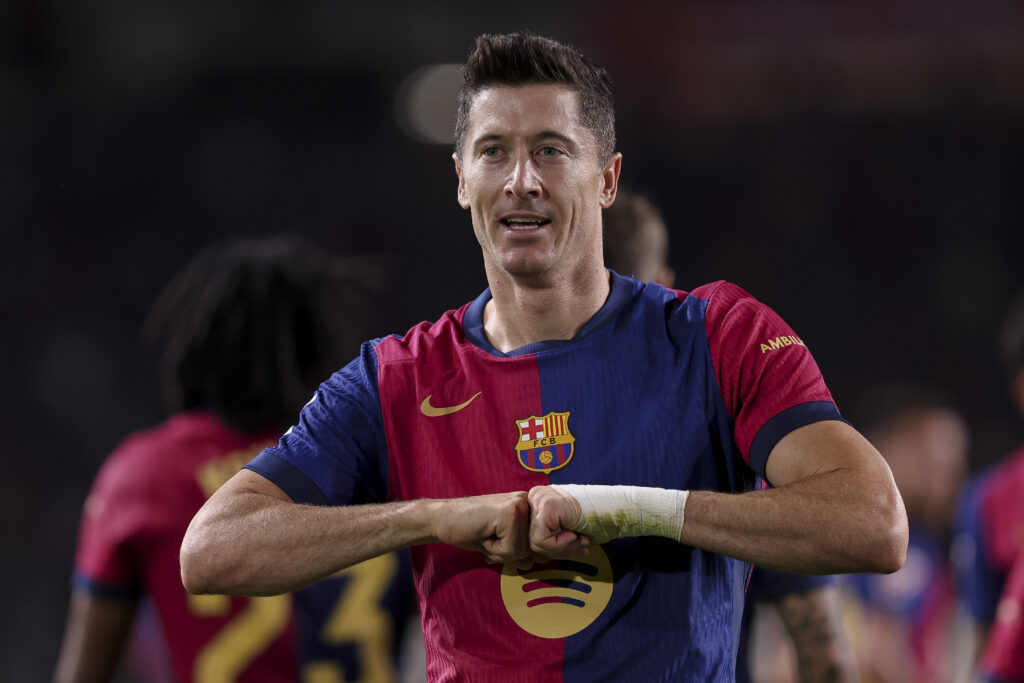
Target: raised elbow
point(195, 576)
point(200, 571)
point(891, 552)
point(891, 536)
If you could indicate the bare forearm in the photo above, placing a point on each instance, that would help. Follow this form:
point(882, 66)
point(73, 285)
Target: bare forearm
point(831, 522)
point(249, 538)
point(96, 631)
point(253, 544)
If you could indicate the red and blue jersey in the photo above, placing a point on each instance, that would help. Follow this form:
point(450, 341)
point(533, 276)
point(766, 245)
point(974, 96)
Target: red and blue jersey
point(989, 543)
point(660, 388)
point(135, 517)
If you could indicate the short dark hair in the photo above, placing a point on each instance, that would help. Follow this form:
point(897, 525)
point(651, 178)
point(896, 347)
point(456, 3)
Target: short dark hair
point(635, 235)
point(1011, 337)
point(250, 327)
point(516, 59)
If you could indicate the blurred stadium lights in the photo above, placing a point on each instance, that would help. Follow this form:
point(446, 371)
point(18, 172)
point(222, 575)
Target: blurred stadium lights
point(425, 103)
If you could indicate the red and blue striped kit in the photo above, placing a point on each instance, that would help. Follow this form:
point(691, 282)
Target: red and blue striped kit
point(660, 388)
point(989, 565)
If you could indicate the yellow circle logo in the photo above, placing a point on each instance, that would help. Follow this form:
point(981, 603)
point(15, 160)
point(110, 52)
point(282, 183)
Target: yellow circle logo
point(559, 598)
point(546, 457)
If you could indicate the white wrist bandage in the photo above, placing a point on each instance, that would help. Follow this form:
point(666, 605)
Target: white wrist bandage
point(611, 512)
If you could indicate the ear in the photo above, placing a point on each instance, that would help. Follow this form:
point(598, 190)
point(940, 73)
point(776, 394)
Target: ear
point(461, 193)
point(610, 180)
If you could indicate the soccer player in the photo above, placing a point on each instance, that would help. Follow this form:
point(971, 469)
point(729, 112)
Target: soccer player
point(809, 607)
point(247, 329)
point(636, 239)
point(903, 623)
point(570, 455)
point(988, 543)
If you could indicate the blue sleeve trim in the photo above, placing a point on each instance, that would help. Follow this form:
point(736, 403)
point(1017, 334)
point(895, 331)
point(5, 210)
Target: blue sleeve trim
point(81, 582)
point(773, 430)
point(289, 478)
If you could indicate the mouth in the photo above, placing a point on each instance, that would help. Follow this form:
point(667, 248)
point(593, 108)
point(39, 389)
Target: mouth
point(525, 224)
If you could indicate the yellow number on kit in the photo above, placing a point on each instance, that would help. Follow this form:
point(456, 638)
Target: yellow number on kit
point(242, 639)
point(359, 618)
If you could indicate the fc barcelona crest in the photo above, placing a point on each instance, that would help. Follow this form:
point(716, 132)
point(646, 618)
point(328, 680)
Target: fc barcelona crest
point(545, 443)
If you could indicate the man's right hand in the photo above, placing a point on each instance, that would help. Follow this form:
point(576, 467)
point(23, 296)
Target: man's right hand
point(496, 525)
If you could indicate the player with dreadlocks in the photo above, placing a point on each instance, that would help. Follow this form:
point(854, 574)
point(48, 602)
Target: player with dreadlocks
point(247, 330)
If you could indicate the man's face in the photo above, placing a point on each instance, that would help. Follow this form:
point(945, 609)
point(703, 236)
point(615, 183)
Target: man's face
point(531, 178)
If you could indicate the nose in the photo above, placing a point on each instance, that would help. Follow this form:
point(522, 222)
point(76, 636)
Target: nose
point(524, 181)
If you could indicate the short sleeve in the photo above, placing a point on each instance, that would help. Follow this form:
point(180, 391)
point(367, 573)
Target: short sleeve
point(105, 563)
point(336, 453)
point(768, 380)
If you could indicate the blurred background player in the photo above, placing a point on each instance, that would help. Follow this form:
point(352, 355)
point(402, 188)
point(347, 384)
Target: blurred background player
point(809, 607)
point(247, 329)
point(636, 239)
point(902, 624)
point(1003, 660)
point(793, 630)
point(990, 538)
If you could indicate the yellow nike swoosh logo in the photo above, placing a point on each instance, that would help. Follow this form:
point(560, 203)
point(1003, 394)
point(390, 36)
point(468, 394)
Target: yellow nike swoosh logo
point(431, 411)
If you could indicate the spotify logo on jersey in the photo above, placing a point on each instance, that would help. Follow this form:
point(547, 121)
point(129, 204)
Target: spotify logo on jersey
point(560, 598)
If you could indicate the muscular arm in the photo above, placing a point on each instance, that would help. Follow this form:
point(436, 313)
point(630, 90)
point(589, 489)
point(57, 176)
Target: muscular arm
point(96, 632)
point(814, 622)
point(249, 538)
point(835, 508)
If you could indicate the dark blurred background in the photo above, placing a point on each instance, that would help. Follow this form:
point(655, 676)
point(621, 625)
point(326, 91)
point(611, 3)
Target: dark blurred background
point(858, 166)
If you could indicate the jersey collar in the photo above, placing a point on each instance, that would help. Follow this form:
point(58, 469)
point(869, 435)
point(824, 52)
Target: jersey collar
point(473, 322)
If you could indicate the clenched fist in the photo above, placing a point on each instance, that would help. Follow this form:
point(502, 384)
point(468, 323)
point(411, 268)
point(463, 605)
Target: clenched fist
point(496, 525)
point(554, 515)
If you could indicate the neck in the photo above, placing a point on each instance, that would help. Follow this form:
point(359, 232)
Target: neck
point(521, 312)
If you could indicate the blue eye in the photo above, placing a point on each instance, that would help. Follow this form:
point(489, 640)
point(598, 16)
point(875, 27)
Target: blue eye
point(549, 151)
point(491, 151)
